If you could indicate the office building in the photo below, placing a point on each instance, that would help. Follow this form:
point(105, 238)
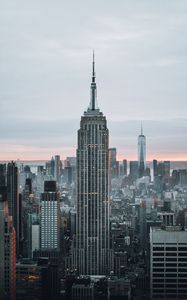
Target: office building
point(124, 167)
point(133, 165)
point(28, 280)
point(57, 168)
point(13, 199)
point(2, 174)
point(7, 251)
point(155, 168)
point(183, 177)
point(141, 153)
point(50, 217)
point(114, 164)
point(33, 233)
point(168, 262)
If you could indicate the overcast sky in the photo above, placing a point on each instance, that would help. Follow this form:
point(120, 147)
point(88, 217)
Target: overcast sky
point(45, 73)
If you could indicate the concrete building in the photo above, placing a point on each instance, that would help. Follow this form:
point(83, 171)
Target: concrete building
point(168, 263)
point(124, 167)
point(133, 165)
point(28, 281)
point(7, 251)
point(33, 233)
point(114, 164)
point(82, 291)
point(50, 217)
point(57, 168)
point(119, 289)
point(167, 218)
point(13, 199)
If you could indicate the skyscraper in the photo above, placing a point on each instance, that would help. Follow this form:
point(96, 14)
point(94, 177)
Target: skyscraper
point(7, 251)
point(57, 168)
point(92, 226)
point(124, 167)
point(114, 164)
point(50, 218)
point(168, 262)
point(133, 166)
point(13, 198)
point(2, 174)
point(141, 153)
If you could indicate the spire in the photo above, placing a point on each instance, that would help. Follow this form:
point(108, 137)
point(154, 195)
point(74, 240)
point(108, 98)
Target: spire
point(93, 68)
point(141, 129)
point(93, 88)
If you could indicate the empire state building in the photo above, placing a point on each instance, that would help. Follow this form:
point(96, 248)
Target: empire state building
point(92, 225)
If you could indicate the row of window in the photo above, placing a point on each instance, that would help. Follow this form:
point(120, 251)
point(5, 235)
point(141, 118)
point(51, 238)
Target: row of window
point(173, 286)
point(170, 291)
point(170, 275)
point(170, 280)
point(169, 253)
point(170, 249)
point(170, 270)
point(170, 264)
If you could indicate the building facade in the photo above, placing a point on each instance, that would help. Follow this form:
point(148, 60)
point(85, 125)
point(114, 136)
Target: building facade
point(168, 262)
point(7, 252)
point(13, 199)
point(50, 218)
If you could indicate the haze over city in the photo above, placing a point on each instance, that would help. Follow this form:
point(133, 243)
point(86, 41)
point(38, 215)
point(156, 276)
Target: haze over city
point(45, 74)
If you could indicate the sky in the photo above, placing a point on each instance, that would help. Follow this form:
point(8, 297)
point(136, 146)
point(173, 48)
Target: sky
point(45, 73)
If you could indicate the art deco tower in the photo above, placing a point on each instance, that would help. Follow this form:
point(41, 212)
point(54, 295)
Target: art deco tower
point(141, 153)
point(92, 227)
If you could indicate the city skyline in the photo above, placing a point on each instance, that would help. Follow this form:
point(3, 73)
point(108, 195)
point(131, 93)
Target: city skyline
point(45, 72)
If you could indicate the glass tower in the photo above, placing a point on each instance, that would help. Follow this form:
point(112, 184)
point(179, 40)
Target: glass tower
point(141, 153)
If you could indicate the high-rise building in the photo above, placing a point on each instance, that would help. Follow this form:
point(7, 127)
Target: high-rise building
point(28, 280)
point(175, 177)
point(92, 224)
point(58, 167)
point(114, 164)
point(50, 169)
point(13, 198)
point(124, 167)
point(167, 169)
point(133, 166)
point(142, 223)
point(33, 233)
point(141, 153)
point(168, 262)
point(7, 251)
point(2, 174)
point(183, 177)
point(50, 218)
point(155, 168)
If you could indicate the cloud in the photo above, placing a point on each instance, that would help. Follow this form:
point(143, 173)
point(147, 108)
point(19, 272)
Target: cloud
point(45, 71)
